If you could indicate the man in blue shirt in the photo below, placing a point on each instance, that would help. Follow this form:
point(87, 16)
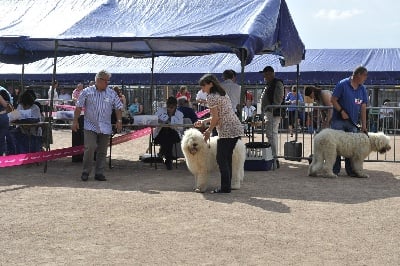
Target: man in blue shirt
point(293, 99)
point(349, 100)
point(188, 112)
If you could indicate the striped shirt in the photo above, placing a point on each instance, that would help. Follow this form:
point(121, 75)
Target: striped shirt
point(98, 108)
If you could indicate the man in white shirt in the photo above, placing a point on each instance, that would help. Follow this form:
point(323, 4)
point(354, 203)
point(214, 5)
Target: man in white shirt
point(248, 111)
point(201, 99)
point(231, 88)
point(54, 89)
point(386, 115)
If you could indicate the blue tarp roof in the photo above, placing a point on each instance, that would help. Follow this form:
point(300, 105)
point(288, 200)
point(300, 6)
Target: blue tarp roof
point(323, 66)
point(147, 28)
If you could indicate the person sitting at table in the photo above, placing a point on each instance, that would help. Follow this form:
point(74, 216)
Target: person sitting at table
point(166, 137)
point(66, 97)
point(27, 138)
point(188, 112)
point(136, 108)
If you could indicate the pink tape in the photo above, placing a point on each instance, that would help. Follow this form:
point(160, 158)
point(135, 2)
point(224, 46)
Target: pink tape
point(65, 107)
point(202, 113)
point(130, 136)
point(36, 157)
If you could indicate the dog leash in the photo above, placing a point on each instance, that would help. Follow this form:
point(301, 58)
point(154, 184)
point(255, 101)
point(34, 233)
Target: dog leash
point(358, 126)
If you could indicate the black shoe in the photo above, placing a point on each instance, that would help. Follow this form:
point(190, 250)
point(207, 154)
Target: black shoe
point(161, 152)
point(168, 164)
point(85, 177)
point(218, 190)
point(352, 174)
point(100, 178)
point(277, 163)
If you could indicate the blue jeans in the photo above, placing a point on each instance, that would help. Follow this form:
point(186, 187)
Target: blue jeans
point(346, 126)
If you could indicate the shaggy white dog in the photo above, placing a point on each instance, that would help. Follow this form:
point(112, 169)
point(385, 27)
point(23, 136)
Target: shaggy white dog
point(356, 146)
point(201, 159)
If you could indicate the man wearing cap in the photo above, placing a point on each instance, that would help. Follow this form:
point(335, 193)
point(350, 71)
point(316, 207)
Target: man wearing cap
point(272, 95)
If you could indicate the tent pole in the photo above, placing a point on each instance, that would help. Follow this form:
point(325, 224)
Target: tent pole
point(296, 114)
point(53, 80)
point(49, 132)
point(243, 91)
point(22, 79)
point(153, 108)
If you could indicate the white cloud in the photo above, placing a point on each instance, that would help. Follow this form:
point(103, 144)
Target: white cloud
point(334, 14)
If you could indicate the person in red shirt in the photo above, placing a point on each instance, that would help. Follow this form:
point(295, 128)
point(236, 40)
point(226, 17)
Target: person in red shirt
point(183, 91)
point(249, 96)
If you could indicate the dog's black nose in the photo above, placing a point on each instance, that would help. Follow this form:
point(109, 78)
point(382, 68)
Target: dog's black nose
point(194, 144)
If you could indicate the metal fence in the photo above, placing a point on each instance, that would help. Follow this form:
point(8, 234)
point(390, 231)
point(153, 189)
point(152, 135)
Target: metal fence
point(379, 119)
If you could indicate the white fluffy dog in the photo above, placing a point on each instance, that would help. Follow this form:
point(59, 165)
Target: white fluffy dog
point(356, 146)
point(201, 159)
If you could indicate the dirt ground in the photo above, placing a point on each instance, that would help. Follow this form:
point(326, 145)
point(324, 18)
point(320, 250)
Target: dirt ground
point(148, 216)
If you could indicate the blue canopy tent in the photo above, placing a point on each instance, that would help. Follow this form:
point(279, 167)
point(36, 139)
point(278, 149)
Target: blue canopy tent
point(34, 30)
point(321, 66)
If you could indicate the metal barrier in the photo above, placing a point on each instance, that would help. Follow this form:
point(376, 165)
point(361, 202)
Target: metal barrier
point(305, 130)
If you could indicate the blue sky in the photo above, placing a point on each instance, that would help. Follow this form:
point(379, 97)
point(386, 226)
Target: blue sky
point(352, 24)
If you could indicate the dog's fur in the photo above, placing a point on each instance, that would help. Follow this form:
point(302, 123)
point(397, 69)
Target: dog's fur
point(201, 159)
point(356, 146)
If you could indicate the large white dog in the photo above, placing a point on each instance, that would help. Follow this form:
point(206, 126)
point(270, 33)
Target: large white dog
point(356, 146)
point(201, 159)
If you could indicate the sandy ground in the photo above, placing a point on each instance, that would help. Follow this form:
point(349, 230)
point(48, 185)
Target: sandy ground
point(148, 216)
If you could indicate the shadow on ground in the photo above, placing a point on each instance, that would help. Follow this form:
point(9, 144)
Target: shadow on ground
point(264, 190)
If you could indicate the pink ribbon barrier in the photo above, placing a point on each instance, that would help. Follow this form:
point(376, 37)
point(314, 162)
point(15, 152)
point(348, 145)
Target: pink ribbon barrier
point(36, 157)
point(65, 107)
point(202, 113)
point(132, 135)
